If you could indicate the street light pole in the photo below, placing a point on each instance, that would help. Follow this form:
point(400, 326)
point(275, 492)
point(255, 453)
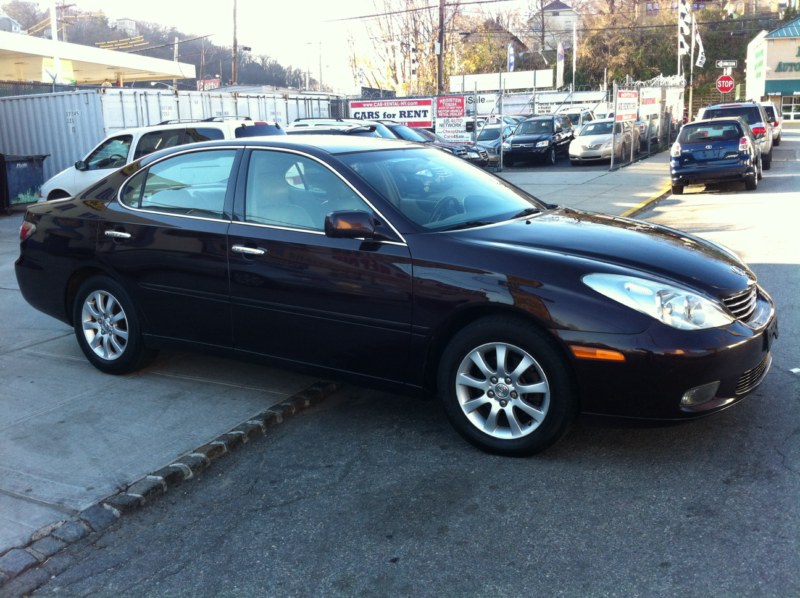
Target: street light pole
point(235, 51)
point(440, 50)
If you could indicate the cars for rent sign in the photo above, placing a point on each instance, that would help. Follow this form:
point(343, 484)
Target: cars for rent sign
point(414, 113)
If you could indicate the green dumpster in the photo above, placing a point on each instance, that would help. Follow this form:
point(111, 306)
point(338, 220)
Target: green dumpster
point(20, 179)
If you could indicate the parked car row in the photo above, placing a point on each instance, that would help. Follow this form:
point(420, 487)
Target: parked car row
point(727, 142)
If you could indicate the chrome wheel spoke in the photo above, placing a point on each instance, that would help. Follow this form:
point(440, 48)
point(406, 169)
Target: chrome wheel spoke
point(105, 325)
point(491, 382)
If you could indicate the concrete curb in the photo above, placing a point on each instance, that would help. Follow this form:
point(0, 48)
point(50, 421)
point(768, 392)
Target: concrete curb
point(648, 203)
point(50, 540)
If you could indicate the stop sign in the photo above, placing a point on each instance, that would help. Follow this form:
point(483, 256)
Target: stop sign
point(725, 84)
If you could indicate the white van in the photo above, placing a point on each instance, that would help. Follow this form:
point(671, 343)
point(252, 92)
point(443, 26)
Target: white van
point(128, 145)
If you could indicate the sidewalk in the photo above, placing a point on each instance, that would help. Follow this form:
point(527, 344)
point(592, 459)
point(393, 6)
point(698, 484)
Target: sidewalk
point(78, 448)
point(623, 192)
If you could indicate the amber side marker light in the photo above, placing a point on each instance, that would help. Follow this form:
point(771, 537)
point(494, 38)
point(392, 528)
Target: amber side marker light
point(593, 353)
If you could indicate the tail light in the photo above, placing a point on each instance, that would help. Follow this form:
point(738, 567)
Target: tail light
point(744, 144)
point(675, 152)
point(775, 124)
point(759, 131)
point(26, 230)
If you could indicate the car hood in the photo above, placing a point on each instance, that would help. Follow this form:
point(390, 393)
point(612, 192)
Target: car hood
point(593, 139)
point(530, 138)
point(617, 242)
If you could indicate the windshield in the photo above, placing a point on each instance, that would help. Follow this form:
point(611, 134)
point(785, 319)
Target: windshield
point(595, 128)
point(534, 127)
point(489, 134)
point(407, 133)
point(439, 191)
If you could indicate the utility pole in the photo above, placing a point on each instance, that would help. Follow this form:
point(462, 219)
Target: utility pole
point(175, 58)
point(440, 50)
point(235, 51)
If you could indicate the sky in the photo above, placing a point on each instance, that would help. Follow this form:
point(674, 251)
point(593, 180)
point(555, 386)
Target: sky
point(310, 35)
point(298, 33)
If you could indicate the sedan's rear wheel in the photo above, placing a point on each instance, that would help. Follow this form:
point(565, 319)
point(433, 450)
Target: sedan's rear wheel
point(766, 161)
point(505, 387)
point(751, 182)
point(107, 327)
point(677, 189)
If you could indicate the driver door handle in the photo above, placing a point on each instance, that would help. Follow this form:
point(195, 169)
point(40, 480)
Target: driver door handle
point(252, 251)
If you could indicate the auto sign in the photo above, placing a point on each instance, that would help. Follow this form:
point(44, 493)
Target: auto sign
point(725, 84)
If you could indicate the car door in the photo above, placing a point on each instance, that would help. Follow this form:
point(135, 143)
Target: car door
point(303, 296)
point(166, 240)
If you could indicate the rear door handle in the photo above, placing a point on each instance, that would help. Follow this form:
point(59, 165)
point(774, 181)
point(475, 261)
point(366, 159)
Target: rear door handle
point(117, 234)
point(244, 250)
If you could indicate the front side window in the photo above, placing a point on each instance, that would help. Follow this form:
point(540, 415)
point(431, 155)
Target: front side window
point(112, 153)
point(189, 184)
point(293, 191)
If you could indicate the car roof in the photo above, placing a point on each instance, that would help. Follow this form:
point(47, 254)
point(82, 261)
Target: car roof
point(331, 144)
point(167, 125)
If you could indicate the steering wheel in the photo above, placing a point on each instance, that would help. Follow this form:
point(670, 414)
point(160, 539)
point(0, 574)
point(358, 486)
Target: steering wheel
point(110, 160)
point(446, 207)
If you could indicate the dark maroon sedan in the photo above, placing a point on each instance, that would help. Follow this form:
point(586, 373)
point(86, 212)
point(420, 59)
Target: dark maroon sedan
point(386, 262)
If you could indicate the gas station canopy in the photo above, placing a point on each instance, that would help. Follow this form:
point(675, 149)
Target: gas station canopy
point(25, 58)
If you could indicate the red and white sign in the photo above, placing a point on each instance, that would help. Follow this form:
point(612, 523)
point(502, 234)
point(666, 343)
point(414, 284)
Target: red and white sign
point(451, 107)
point(414, 113)
point(207, 84)
point(627, 105)
point(725, 84)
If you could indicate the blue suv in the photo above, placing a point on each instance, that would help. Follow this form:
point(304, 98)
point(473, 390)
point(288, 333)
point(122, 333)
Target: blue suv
point(713, 151)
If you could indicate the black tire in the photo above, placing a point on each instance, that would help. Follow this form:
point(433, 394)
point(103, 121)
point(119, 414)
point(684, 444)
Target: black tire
point(760, 169)
point(677, 189)
point(766, 161)
point(508, 161)
point(107, 327)
point(751, 182)
point(495, 412)
point(777, 140)
point(550, 156)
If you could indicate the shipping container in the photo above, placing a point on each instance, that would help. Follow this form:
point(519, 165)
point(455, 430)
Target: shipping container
point(67, 125)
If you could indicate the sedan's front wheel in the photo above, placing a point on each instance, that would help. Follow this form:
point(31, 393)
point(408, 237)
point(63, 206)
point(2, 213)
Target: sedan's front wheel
point(506, 388)
point(107, 327)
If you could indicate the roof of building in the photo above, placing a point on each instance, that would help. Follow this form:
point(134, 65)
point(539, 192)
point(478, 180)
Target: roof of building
point(557, 5)
point(29, 58)
point(790, 29)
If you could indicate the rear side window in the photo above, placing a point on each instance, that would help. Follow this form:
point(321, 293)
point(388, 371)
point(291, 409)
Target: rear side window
point(191, 184)
point(770, 112)
point(257, 130)
point(750, 114)
point(158, 140)
point(203, 134)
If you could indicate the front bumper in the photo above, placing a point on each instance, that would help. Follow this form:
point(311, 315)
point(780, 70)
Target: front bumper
point(663, 364)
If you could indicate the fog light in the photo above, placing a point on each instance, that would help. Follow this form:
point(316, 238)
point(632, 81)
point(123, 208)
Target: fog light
point(700, 394)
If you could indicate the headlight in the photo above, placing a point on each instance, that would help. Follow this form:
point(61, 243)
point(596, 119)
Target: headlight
point(506, 145)
point(544, 143)
point(674, 306)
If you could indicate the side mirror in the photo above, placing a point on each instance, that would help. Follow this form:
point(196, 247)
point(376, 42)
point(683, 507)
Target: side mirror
point(352, 224)
point(81, 165)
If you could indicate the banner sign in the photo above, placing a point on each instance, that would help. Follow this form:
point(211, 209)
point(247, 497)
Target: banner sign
point(450, 107)
point(453, 130)
point(627, 105)
point(650, 101)
point(414, 113)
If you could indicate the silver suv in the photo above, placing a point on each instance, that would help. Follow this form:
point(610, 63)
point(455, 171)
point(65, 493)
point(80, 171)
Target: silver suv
point(776, 118)
point(131, 144)
point(753, 114)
